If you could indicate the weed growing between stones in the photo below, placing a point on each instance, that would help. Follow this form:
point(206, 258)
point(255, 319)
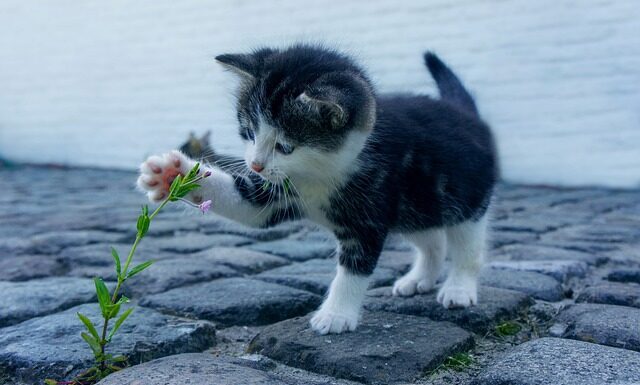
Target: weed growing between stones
point(457, 362)
point(508, 328)
point(110, 302)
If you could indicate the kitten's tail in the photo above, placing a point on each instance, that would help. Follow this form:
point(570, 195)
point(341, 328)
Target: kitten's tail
point(451, 88)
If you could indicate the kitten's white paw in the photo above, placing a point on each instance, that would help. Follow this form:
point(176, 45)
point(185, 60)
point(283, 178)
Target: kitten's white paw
point(325, 322)
point(409, 285)
point(158, 172)
point(459, 293)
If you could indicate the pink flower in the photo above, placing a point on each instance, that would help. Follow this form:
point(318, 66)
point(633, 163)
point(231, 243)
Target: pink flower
point(205, 206)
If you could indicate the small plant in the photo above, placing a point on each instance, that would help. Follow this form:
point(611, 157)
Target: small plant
point(508, 328)
point(111, 302)
point(457, 362)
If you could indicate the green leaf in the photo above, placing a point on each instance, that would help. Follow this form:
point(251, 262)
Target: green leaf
point(49, 381)
point(186, 189)
point(143, 225)
point(119, 358)
point(93, 343)
point(191, 175)
point(116, 258)
point(177, 182)
point(114, 310)
point(103, 296)
point(266, 185)
point(87, 322)
point(119, 322)
point(139, 268)
point(122, 300)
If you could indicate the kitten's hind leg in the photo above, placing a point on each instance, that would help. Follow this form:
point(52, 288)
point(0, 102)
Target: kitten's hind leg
point(466, 244)
point(431, 249)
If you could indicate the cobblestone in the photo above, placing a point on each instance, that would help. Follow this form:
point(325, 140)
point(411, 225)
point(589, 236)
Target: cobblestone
point(386, 348)
point(612, 293)
point(494, 305)
point(553, 361)
point(54, 347)
point(235, 301)
point(563, 262)
point(611, 325)
point(24, 300)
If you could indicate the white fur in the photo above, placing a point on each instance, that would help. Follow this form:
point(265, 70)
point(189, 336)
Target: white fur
point(431, 250)
point(466, 248)
point(219, 188)
point(340, 311)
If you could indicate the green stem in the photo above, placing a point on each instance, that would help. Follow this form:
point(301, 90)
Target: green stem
point(121, 279)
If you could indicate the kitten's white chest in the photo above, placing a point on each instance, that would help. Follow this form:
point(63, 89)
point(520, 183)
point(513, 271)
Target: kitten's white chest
point(314, 201)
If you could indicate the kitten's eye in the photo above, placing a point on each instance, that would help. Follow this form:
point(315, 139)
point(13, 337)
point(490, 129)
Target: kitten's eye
point(284, 149)
point(250, 135)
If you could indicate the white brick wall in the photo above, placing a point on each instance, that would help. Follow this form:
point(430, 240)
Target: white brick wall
point(106, 83)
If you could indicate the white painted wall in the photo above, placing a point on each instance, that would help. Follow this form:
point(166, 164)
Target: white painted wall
point(105, 83)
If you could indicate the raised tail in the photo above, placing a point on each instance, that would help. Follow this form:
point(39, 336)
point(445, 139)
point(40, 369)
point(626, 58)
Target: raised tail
point(451, 88)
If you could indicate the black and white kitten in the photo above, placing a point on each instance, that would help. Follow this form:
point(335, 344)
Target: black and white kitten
point(321, 145)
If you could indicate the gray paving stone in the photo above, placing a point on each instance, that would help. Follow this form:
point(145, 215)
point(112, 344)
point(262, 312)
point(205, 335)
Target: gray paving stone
point(296, 250)
point(225, 226)
point(589, 247)
point(192, 368)
point(502, 238)
point(53, 242)
point(10, 246)
point(560, 270)
point(609, 234)
point(395, 242)
point(100, 254)
point(554, 361)
point(241, 259)
point(526, 223)
point(494, 305)
point(25, 267)
point(624, 275)
point(24, 300)
point(51, 347)
point(385, 348)
point(193, 242)
point(175, 272)
point(235, 301)
point(316, 275)
point(546, 253)
point(537, 285)
point(616, 326)
point(612, 293)
point(399, 261)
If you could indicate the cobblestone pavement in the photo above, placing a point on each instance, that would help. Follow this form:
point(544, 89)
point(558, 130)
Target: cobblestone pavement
point(225, 304)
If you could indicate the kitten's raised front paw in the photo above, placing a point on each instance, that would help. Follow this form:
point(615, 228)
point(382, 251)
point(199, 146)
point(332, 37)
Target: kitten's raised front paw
point(325, 322)
point(158, 172)
point(408, 285)
point(458, 294)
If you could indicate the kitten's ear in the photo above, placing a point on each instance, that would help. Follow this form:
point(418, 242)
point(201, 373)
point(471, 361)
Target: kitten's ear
point(205, 137)
point(325, 104)
point(244, 65)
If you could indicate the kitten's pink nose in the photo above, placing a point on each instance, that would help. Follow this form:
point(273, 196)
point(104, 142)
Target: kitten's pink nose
point(257, 167)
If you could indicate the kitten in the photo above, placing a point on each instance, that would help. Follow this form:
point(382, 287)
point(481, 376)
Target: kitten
point(321, 144)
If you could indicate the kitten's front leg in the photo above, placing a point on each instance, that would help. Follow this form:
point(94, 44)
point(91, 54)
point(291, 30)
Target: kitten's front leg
point(232, 196)
point(341, 309)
